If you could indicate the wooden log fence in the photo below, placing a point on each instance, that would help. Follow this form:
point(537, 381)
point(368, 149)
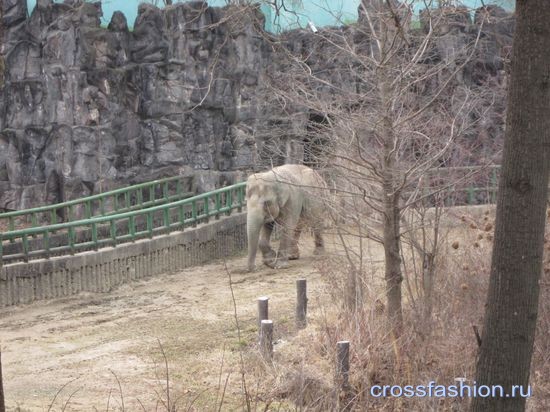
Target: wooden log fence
point(301, 303)
point(266, 339)
point(263, 311)
point(342, 364)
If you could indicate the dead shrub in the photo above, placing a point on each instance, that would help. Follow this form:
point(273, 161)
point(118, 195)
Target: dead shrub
point(442, 351)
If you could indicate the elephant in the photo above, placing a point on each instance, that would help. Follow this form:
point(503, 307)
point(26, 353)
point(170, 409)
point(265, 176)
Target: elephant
point(291, 197)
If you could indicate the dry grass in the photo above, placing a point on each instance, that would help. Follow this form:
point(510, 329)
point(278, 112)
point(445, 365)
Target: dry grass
point(303, 371)
point(302, 374)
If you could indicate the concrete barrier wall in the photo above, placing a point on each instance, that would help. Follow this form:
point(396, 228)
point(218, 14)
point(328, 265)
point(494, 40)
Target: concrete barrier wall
point(108, 268)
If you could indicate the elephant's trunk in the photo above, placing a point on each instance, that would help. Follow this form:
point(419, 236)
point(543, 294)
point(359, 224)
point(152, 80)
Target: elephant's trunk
point(254, 222)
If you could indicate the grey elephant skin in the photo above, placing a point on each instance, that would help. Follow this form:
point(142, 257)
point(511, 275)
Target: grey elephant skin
point(289, 196)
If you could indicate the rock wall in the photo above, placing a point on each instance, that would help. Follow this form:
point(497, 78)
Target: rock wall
point(341, 82)
point(84, 109)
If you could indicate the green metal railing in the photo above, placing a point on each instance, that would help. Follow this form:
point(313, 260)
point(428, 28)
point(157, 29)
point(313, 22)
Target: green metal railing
point(115, 201)
point(110, 230)
point(490, 189)
point(144, 210)
point(470, 185)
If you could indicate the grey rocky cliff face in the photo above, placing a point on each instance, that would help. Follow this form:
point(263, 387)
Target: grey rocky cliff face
point(84, 109)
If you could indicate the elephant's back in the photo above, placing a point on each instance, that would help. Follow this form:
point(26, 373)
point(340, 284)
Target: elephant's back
point(297, 176)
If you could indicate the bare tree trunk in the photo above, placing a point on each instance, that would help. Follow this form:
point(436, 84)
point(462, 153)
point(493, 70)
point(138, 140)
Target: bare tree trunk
point(392, 260)
point(392, 227)
point(512, 303)
point(352, 300)
point(428, 279)
point(384, 134)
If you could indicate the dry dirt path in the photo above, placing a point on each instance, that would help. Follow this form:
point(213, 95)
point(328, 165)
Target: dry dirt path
point(80, 346)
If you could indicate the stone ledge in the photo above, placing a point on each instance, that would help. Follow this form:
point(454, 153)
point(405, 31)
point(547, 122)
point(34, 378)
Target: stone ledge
point(104, 270)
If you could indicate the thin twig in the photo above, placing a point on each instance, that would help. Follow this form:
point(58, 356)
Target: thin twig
point(108, 400)
point(168, 405)
point(59, 391)
point(119, 389)
point(243, 377)
point(224, 390)
point(220, 375)
point(141, 404)
point(69, 399)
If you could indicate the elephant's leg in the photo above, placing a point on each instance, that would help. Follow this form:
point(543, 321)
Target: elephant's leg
point(294, 252)
point(319, 242)
point(269, 255)
point(287, 238)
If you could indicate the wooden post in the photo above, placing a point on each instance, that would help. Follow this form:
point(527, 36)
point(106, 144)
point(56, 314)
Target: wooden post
point(2, 403)
point(266, 338)
point(263, 302)
point(342, 364)
point(301, 303)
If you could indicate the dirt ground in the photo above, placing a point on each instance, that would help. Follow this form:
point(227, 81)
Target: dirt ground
point(104, 351)
point(83, 352)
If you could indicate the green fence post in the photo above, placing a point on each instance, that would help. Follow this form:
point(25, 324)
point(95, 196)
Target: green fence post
point(166, 218)
point(11, 227)
point(217, 202)
point(240, 195)
point(26, 247)
point(150, 224)
point(206, 210)
point(165, 191)
point(94, 236)
point(181, 216)
point(194, 212)
point(112, 229)
point(46, 237)
point(102, 205)
point(152, 194)
point(229, 202)
point(71, 239)
point(471, 195)
point(88, 209)
point(71, 213)
point(132, 227)
point(140, 197)
point(34, 221)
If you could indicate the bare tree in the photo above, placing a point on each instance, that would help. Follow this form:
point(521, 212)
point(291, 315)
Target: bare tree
point(384, 115)
point(512, 302)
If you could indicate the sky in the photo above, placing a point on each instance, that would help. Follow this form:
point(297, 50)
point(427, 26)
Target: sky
point(320, 12)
